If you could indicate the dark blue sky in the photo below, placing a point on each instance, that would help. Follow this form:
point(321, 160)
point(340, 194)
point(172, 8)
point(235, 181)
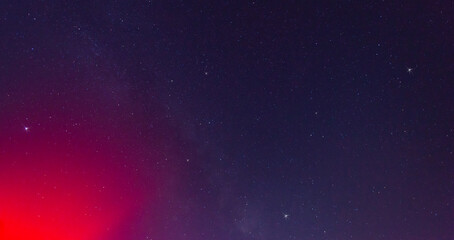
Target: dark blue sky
point(234, 119)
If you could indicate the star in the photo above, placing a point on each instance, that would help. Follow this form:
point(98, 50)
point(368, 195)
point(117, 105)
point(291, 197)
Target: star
point(409, 70)
point(286, 216)
point(26, 128)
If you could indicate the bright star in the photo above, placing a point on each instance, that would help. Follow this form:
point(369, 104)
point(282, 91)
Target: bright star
point(286, 216)
point(26, 129)
point(409, 70)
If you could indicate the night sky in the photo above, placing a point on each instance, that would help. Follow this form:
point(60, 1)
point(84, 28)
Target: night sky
point(226, 120)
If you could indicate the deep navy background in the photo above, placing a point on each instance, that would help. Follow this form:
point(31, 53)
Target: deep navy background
point(338, 114)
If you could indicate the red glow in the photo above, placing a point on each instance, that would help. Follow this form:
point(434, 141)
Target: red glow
point(53, 194)
point(69, 170)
